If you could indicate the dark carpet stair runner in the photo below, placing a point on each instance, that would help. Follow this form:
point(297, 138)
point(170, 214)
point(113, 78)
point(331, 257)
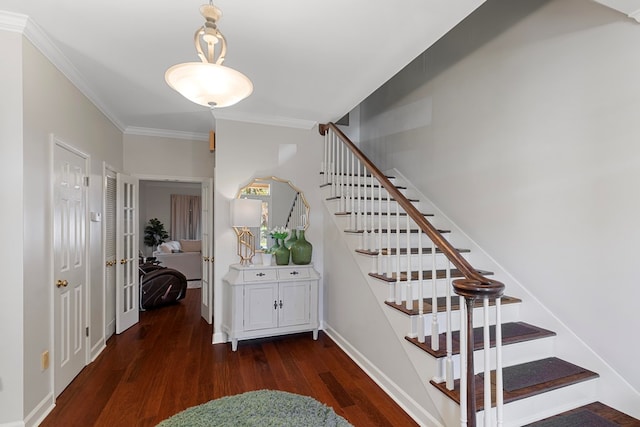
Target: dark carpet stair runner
point(595, 414)
point(512, 332)
point(526, 380)
point(519, 381)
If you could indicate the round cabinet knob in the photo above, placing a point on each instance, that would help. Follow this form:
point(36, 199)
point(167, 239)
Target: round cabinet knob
point(62, 283)
point(123, 261)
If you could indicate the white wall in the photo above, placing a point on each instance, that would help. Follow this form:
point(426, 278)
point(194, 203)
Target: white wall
point(521, 125)
point(245, 151)
point(11, 228)
point(162, 156)
point(53, 105)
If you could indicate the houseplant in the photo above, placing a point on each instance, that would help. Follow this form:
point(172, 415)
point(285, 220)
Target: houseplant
point(154, 233)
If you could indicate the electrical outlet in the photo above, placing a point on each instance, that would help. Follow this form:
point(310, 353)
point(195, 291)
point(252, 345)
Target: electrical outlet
point(45, 360)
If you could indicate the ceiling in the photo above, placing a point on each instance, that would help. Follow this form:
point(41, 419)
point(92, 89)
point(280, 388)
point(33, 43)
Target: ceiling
point(310, 61)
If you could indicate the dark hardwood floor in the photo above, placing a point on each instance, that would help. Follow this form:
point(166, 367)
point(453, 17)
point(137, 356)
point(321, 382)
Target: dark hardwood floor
point(167, 363)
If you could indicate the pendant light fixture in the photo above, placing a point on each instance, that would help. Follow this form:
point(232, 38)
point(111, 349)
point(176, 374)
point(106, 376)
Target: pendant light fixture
point(209, 83)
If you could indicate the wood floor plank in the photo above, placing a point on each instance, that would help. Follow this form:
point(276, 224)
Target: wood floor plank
point(167, 363)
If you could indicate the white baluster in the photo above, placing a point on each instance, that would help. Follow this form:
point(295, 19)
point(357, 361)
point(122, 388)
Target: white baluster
point(343, 203)
point(463, 364)
point(409, 288)
point(380, 228)
point(421, 331)
point(449, 339)
point(487, 362)
point(363, 223)
point(325, 159)
point(334, 164)
point(389, 265)
point(352, 216)
point(499, 384)
point(435, 328)
point(398, 267)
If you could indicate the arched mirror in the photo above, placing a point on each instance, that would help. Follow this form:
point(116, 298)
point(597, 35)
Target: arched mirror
point(283, 205)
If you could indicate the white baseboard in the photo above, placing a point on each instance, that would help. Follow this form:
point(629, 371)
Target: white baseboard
point(39, 413)
point(405, 401)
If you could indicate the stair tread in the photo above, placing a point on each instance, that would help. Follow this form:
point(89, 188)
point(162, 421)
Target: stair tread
point(512, 332)
point(384, 199)
point(403, 251)
point(426, 275)
point(352, 174)
point(595, 414)
point(537, 377)
point(379, 213)
point(441, 303)
point(393, 230)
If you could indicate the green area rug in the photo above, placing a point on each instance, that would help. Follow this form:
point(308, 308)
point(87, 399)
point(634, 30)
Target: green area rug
point(258, 408)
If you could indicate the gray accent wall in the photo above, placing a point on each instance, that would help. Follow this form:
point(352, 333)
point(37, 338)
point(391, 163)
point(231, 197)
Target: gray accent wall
point(521, 125)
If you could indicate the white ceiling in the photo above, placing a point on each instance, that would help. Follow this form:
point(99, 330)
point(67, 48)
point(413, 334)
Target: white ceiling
point(310, 61)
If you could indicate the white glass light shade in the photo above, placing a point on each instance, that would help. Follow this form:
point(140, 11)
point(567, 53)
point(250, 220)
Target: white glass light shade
point(206, 83)
point(246, 213)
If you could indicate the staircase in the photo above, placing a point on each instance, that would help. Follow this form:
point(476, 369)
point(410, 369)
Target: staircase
point(421, 267)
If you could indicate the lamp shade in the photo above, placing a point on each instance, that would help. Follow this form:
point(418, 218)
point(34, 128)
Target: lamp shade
point(211, 85)
point(246, 213)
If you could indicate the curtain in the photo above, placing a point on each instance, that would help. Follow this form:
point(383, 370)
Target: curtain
point(185, 217)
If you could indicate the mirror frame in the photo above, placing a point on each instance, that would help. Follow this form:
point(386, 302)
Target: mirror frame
point(277, 179)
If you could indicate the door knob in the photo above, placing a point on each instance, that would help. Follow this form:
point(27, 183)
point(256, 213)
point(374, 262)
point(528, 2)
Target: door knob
point(123, 261)
point(62, 283)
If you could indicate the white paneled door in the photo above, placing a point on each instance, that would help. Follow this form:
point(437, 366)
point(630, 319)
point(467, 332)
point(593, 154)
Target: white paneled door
point(206, 308)
point(127, 280)
point(70, 263)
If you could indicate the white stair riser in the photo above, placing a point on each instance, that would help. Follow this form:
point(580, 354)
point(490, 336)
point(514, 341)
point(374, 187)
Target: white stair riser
point(386, 263)
point(393, 240)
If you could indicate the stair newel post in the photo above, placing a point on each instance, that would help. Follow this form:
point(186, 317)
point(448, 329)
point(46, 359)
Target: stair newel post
point(449, 326)
point(487, 362)
point(469, 375)
point(421, 328)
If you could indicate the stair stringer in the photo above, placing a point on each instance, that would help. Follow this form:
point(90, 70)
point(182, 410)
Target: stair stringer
point(611, 388)
point(359, 306)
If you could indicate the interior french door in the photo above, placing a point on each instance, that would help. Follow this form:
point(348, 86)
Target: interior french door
point(127, 280)
point(70, 263)
point(206, 307)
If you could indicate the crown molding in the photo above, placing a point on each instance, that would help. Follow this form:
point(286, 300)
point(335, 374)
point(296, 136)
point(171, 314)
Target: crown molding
point(14, 22)
point(238, 116)
point(28, 28)
point(163, 133)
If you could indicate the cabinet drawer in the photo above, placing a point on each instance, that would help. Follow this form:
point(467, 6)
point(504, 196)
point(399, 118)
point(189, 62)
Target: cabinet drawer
point(260, 275)
point(293, 273)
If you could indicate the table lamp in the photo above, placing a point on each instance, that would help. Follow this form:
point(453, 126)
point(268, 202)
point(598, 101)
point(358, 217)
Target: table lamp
point(246, 214)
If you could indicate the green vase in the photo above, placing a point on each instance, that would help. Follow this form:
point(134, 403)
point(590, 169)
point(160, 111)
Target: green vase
point(291, 239)
point(282, 254)
point(301, 250)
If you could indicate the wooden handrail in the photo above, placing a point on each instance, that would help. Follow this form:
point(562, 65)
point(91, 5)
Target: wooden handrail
point(474, 285)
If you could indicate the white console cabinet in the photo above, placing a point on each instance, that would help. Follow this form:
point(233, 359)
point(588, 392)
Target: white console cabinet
point(266, 301)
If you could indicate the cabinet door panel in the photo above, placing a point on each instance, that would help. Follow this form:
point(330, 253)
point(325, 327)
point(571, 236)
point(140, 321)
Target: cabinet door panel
point(259, 310)
point(295, 303)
